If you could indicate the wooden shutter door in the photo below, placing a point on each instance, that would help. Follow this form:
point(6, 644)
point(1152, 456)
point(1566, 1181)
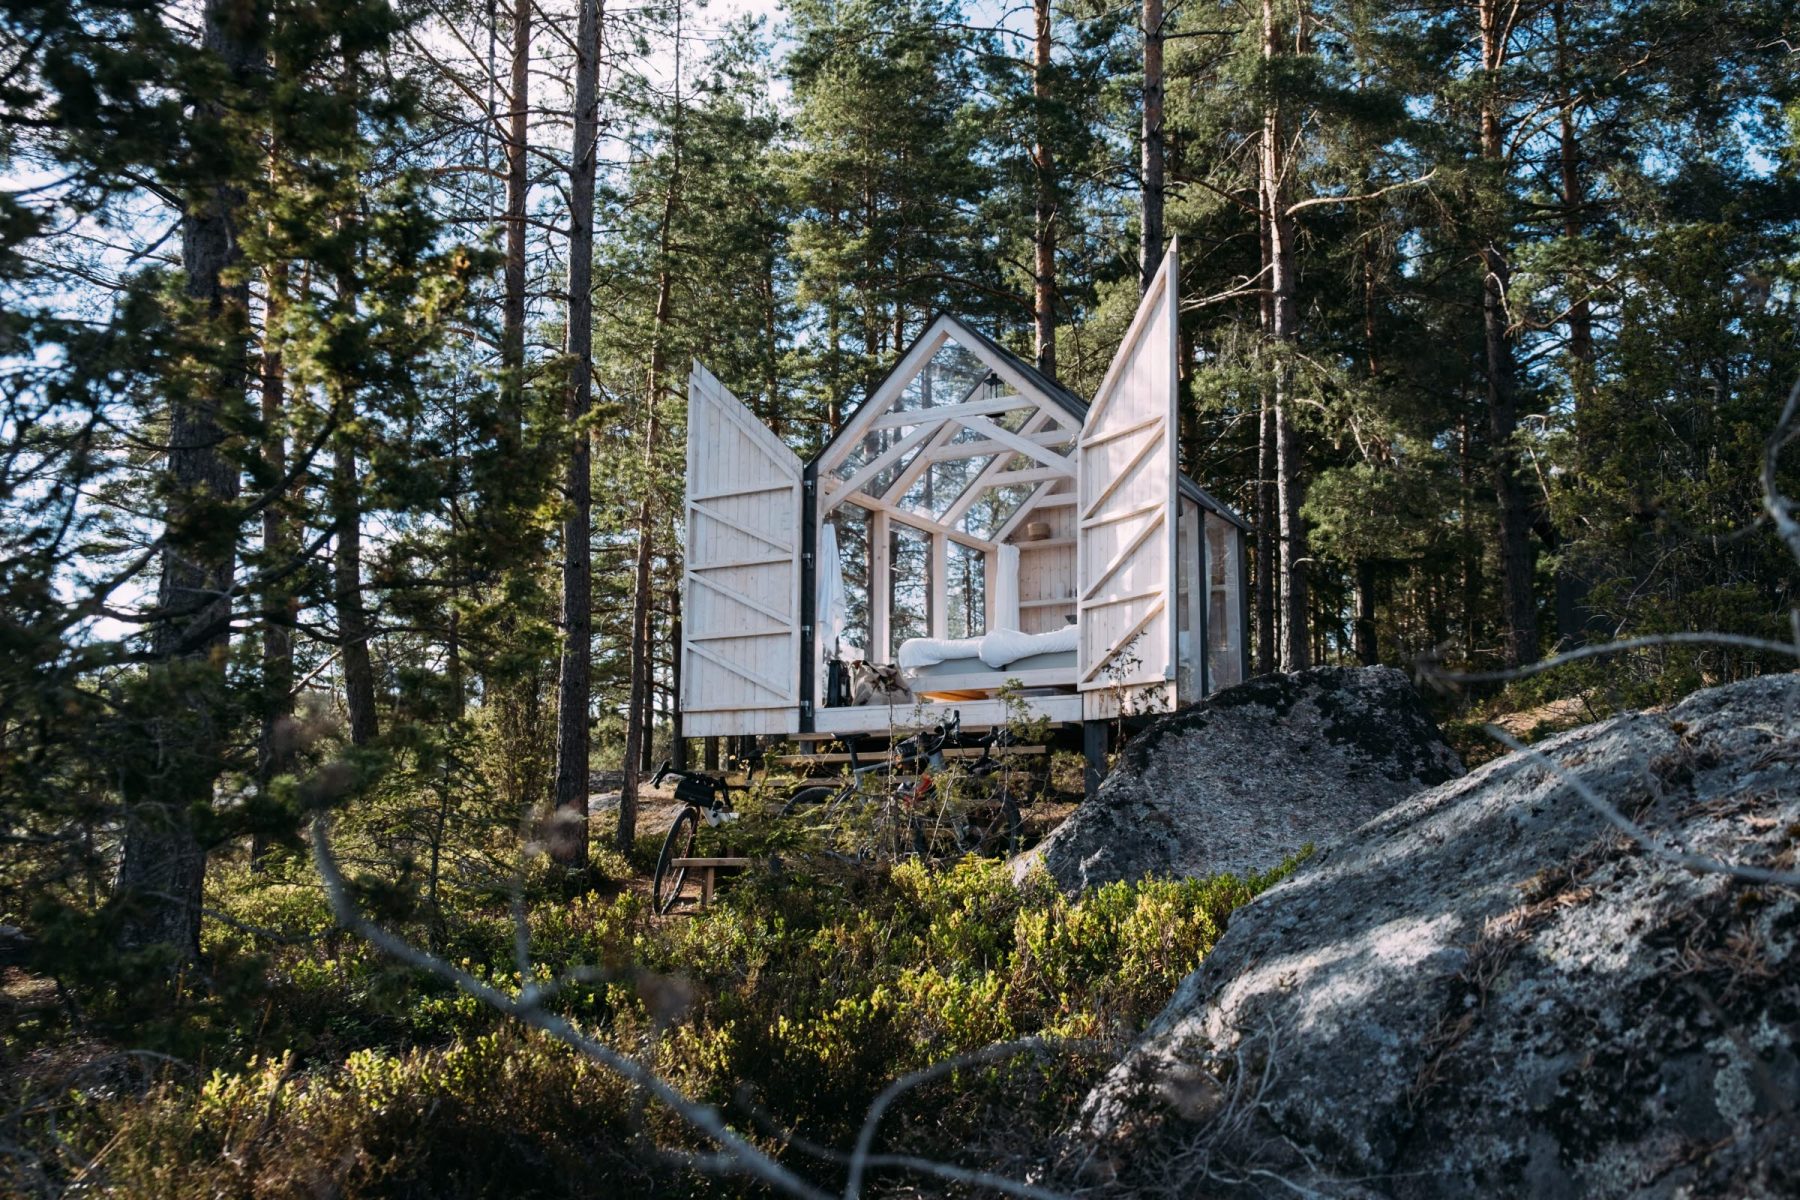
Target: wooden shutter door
point(1125, 538)
point(740, 637)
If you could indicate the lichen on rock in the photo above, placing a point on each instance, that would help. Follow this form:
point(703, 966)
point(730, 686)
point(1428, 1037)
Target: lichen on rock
point(1490, 990)
point(1242, 780)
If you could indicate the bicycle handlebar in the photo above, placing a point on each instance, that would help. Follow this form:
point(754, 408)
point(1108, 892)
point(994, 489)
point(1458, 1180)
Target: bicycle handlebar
point(667, 769)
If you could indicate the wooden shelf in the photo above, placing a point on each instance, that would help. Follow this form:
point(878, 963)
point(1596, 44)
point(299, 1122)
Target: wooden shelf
point(1043, 543)
point(1046, 603)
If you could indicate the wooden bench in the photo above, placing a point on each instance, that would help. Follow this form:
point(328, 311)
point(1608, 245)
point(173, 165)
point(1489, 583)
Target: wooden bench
point(709, 867)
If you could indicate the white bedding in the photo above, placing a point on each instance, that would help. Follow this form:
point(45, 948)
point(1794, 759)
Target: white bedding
point(995, 649)
point(929, 652)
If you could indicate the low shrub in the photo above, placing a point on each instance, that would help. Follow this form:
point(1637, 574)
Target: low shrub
point(790, 1004)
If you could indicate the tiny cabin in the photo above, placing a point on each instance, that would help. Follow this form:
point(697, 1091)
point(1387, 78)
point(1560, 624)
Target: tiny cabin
point(974, 526)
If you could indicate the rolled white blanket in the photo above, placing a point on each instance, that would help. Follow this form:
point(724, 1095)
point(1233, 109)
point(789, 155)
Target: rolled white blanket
point(928, 652)
point(1003, 646)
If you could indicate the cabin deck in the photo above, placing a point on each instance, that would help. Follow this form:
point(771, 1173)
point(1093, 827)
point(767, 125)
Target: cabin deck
point(976, 714)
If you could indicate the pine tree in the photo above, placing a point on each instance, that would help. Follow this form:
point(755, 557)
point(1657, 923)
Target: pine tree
point(573, 686)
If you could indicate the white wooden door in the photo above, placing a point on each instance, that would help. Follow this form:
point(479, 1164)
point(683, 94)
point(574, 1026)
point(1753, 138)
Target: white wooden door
point(1125, 538)
point(740, 636)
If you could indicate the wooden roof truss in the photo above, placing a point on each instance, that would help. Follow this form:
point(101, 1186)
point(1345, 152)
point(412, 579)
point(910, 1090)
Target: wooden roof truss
point(1020, 435)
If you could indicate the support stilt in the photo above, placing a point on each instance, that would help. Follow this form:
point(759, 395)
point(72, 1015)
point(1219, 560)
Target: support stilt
point(1093, 746)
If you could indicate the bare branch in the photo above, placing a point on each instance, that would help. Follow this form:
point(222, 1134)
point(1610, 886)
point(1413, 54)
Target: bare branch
point(1316, 201)
point(865, 1140)
point(1780, 508)
point(743, 1155)
point(1739, 641)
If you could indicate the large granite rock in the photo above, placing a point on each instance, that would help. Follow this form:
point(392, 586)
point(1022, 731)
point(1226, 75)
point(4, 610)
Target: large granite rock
point(1248, 776)
point(1491, 990)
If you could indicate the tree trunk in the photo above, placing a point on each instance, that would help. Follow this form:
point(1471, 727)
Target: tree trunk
point(352, 615)
point(647, 744)
point(569, 836)
point(1368, 651)
point(1268, 571)
point(709, 760)
point(1150, 233)
point(162, 867)
point(1043, 292)
point(1573, 616)
point(1296, 647)
point(512, 690)
point(1267, 566)
point(1518, 600)
point(771, 347)
point(1295, 616)
point(636, 732)
point(1470, 555)
point(512, 335)
point(278, 603)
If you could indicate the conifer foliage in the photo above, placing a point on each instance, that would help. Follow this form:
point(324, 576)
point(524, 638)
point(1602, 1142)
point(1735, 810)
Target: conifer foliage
point(343, 346)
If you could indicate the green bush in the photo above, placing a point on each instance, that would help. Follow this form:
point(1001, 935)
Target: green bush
point(799, 995)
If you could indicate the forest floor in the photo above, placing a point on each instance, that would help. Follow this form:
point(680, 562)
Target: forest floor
point(299, 1061)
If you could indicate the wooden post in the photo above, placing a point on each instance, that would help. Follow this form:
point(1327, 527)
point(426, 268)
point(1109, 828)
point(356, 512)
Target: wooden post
point(938, 611)
point(881, 586)
point(678, 747)
point(1093, 746)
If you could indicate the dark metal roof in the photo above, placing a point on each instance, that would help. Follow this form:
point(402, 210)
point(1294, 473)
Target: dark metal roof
point(1051, 390)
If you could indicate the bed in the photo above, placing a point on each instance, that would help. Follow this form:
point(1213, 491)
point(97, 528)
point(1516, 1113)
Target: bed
point(975, 668)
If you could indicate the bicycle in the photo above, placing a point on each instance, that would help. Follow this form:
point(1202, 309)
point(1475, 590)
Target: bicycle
point(706, 798)
point(925, 748)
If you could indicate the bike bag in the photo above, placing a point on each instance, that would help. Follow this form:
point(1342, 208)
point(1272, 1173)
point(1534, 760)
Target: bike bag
point(693, 791)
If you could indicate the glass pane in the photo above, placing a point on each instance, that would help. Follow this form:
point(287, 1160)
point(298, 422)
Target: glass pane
point(939, 487)
point(872, 446)
point(1014, 420)
point(909, 568)
point(948, 378)
point(1224, 611)
point(965, 592)
point(853, 528)
point(884, 479)
point(1187, 578)
point(993, 507)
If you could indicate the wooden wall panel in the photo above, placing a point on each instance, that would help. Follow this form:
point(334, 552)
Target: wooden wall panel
point(1047, 571)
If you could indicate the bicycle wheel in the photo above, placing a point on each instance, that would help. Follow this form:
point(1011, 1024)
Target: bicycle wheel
point(807, 798)
point(665, 884)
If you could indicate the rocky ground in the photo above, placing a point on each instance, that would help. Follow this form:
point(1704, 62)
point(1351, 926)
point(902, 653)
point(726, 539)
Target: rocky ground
point(1242, 780)
point(1490, 989)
